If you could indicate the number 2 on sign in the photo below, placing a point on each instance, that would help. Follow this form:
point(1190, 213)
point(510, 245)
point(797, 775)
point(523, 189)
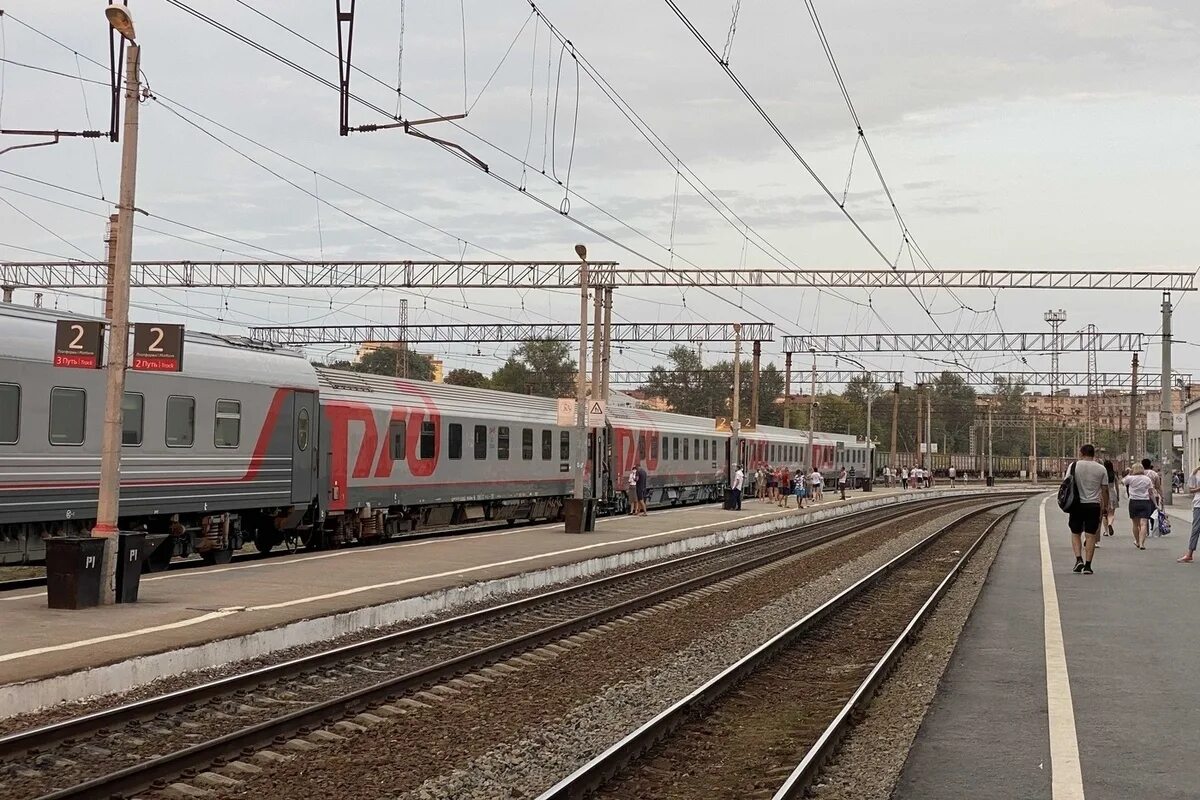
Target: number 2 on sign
point(156, 345)
point(76, 343)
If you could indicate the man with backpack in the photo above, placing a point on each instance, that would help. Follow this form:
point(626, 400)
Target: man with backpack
point(1084, 496)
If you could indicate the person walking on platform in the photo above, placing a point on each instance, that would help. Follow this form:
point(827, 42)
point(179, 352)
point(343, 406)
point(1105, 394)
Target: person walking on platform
point(818, 484)
point(904, 477)
point(1139, 488)
point(887, 476)
point(1114, 498)
point(800, 485)
point(953, 474)
point(739, 479)
point(1193, 486)
point(772, 480)
point(1091, 492)
point(785, 486)
point(842, 482)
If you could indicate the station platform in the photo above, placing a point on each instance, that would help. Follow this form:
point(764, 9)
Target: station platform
point(1066, 686)
point(200, 618)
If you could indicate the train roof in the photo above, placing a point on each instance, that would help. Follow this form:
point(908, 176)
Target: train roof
point(28, 334)
point(463, 401)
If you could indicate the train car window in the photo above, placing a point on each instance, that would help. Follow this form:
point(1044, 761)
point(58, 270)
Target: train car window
point(527, 444)
point(705, 450)
point(131, 418)
point(675, 448)
point(502, 443)
point(398, 437)
point(227, 432)
point(455, 440)
point(68, 410)
point(696, 449)
point(653, 448)
point(181, 421)
point(564, 446)
point(10, 413)
point(686, 456)
point(428, 440)
point(480, 442)
point(771, 457)
point(302, 430)
point(641, 446)
point(547, 445)
point(714, 449)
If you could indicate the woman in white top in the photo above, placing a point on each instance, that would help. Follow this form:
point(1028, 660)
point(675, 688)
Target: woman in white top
point(818, 486)
point(1140, 489)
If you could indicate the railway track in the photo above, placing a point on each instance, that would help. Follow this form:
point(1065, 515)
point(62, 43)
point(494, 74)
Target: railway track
point(766, 724)
point(129, 748)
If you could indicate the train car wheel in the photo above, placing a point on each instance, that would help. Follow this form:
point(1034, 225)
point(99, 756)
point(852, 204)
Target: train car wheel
point(265, 541)
point(217, 557)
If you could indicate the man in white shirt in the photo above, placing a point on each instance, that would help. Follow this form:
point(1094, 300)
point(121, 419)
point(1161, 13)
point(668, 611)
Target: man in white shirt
point(1091, 487)
point(953, 476)
point(739, 478)
point(904, 477)
point(818, 485)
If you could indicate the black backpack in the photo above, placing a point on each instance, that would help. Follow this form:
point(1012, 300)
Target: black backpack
point(1068, 491)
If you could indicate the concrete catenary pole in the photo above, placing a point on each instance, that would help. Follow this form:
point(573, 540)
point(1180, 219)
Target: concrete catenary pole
point(1033, 448)
point(1133, 411)
point(735, 424)
point(597, 338)
point(110, 258)
point(990, 474)
point(606, 356)
point(108, 505)
point(754, 384)
point(787, 390)
point(919, 460)
point(895, 423)
point(870, 449)
point(812, 417)
point(581, 378)
point(1166, 416)
point(7, 292)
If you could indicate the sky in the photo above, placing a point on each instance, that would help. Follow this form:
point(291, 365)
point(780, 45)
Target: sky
point(1028, 134)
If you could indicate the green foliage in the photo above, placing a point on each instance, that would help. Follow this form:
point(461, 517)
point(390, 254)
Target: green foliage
point(690, 388)
point(542, 367)
point(468, 377)
point(387, 361)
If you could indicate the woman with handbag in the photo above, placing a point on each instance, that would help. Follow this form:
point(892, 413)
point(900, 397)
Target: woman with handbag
point(1140, 490)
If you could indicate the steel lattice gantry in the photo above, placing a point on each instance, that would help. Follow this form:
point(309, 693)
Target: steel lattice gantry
point(547, 274)
point(621, 332)
point(1103, 380)
point(960, 342)
point(824, 377)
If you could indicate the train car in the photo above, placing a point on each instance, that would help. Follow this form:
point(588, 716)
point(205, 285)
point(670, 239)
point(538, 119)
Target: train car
point(685, 457)
point(226, 445)
point(400, 455)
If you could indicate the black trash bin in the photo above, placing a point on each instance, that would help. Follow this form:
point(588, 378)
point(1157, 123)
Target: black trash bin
point(74, 566)
point(866, 484)
point(130, 547)
point(991, 481)
point(579, 516)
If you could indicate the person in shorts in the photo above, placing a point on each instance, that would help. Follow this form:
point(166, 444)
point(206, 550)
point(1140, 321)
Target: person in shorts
point(1139, 488)
point(1091, 488)
point(631, 490)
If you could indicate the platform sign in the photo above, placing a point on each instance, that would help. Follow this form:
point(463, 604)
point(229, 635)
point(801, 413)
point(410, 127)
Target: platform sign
point(158, 347)
point(77, 343)
point(597, 411)
point(566, 412)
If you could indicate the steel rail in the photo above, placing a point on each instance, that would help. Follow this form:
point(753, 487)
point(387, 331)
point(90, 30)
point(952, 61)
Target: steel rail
point(140, 776)
point(807, 770)
point(594, 774)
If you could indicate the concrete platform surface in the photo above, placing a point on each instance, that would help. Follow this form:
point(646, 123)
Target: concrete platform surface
point(1068, 686)
point(192, 619)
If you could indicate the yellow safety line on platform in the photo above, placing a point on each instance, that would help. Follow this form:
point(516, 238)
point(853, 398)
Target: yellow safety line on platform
point(1066, 777)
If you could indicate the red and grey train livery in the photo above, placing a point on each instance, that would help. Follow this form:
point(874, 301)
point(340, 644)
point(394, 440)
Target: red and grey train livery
point(253, 443)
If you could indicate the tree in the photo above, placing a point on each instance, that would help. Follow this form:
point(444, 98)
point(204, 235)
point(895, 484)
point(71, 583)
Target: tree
point(386, 361)
point(690, 388)
point(539, 366)
point(953, 407)
point(468, 377)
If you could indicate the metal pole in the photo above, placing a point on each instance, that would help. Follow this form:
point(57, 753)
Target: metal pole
point(754, 385)
point(118, 340)
point(1033, 448)
point(989, 447)
point(812, 417)
point(1166, 416)
point(920, 458)
point(787, 390)
point(597, 332)
point(735, 423)
point(581, 378)
point(895, 423)
point(870, 449)
point(8, 293)
point(929, 428)
point(606, 356)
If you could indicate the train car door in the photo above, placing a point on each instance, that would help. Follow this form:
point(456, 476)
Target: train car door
point(304, 446)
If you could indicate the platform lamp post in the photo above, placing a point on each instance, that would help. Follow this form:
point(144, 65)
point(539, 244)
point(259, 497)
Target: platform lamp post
point(118, 340)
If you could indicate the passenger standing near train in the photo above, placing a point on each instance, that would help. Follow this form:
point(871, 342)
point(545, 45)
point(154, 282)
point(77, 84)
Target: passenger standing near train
point(904, 477)
point(1091, 488)
point(953, 474)
point(643, 487)
point(887, 476)
point(785, 486)
point(631, 491)
point(842, 482)
point(800, 485)
point(1114, 498)
point(760, 482)
point(1156, 495)
point(739, 479)
point(1140, 489)
point(818, 485)
point(1193, 487)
